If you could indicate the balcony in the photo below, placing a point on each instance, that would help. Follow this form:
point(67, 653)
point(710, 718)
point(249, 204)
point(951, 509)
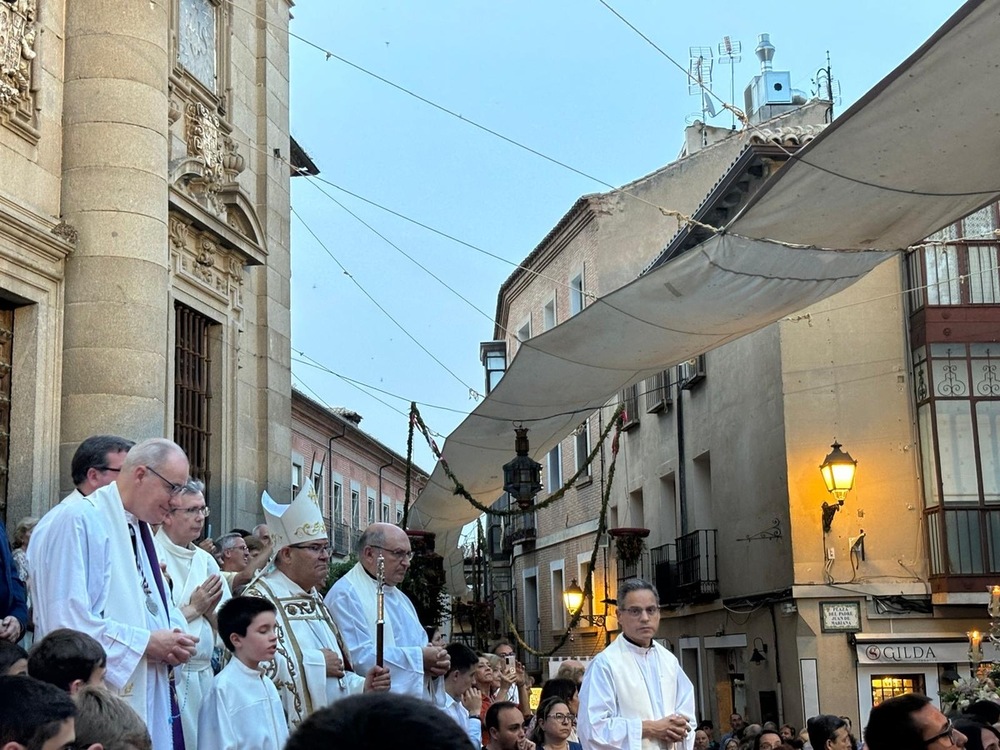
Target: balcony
point(685, 572)
point(519, 529)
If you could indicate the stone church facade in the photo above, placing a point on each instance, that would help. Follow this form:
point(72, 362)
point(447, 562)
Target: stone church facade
point(144, 241)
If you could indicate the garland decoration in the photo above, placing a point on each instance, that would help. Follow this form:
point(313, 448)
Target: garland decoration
point(602, 526)
point(554, 497)
point(409, 466)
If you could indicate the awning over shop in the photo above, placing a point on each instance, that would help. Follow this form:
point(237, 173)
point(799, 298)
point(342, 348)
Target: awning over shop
point(919, 151)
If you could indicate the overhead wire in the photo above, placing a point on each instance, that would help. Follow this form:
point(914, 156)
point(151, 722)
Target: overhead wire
point(377, 304)
point(791, 155)
point(681, 217)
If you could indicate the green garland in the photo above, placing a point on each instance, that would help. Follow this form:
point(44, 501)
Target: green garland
point(602, 524)
point(555, 496)
point(409, 466)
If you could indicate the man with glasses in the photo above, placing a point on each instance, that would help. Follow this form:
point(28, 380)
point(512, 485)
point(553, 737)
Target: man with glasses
point(352, 602)
point(909, 722)
point(197, 590)
point(635, 693)
point(95, 569)
point(311, 668)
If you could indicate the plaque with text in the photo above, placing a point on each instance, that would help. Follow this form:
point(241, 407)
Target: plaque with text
point(840, 617)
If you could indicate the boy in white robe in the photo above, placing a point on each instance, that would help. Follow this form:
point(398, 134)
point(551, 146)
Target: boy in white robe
point(242, 709)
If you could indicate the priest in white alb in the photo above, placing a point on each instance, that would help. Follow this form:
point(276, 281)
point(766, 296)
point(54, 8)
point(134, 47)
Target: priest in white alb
point(353, 604)
point(197, 590)
point(95, 569)
point(310, 669)
point(635, 696)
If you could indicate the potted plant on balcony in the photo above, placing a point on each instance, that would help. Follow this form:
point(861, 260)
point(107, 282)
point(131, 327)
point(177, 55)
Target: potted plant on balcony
point(628, 543)
point(421, 541)
point(424, 582)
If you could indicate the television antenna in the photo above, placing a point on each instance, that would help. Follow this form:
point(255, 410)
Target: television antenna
point(730, 53)
point(700, 81)
point(826, 85)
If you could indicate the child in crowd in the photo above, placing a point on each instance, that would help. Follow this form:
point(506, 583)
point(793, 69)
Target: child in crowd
point(13, 659)
point(69, 660)
point(105, 720)
point(242, 710)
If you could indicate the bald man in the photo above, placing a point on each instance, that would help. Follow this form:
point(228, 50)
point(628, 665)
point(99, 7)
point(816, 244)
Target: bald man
point(352, 603)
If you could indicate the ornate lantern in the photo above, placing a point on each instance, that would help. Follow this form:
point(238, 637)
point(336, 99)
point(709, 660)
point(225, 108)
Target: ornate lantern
point(522, 477)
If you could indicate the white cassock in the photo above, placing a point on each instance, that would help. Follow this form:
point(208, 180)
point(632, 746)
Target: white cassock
point(352, 602)
point(472, 725)
point(188, 568)
point(299, 667)
point(626, 685)
point(241, 711)
point(85, 575)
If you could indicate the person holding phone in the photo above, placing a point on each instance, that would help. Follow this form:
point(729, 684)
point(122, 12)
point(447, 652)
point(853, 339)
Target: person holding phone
point(513, 672)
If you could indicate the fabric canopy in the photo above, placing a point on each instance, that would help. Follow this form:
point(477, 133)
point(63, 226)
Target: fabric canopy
point(919, 151)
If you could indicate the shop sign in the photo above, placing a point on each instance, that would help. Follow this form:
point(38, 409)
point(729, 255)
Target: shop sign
point(913, 652)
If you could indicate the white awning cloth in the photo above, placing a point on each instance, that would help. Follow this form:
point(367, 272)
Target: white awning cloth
point(921, 150)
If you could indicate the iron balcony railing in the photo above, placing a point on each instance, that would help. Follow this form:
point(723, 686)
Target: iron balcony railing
point(685, 572)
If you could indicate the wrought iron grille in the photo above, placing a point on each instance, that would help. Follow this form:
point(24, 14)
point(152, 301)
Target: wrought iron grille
point(193, 389)
point(6, 364)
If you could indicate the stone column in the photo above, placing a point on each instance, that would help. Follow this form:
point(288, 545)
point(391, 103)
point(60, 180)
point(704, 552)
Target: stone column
point(114, 193)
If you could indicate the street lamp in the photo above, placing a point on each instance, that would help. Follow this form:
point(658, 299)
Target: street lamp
point(838, 470)
point(522, 476)
point(573, 599)
point(757, 657)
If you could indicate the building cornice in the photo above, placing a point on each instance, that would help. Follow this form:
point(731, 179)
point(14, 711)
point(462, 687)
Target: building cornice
point(47, 242)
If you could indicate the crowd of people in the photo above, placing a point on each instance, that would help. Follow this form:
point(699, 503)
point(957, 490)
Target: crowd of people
point(120, 629)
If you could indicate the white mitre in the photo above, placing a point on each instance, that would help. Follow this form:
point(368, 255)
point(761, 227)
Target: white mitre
point(297, 523)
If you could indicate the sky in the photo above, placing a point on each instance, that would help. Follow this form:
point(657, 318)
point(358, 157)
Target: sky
point(566, 78)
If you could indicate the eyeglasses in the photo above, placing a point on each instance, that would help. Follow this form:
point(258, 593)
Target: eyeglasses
point(399, 554)
point(106, 468)
point(652, 611)
point(316, 549)
point(949, 732)
point(202, 511)
point(563, 718)
point(175, 489)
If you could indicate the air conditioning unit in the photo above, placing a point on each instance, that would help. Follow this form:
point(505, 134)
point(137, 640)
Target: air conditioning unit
point(692, 372)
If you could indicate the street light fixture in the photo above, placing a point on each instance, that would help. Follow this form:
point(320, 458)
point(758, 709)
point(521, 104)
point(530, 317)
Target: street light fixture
point(573, 599)
point(838, 470)
point(522, 476)
point(757, 657)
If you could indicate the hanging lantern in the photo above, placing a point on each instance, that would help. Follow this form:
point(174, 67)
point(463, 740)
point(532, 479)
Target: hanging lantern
point(522, 477)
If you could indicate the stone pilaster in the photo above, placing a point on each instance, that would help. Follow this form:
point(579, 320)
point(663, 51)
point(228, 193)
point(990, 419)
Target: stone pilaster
point(114, 194)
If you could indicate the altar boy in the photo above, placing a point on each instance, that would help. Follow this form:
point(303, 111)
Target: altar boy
point(242, 710)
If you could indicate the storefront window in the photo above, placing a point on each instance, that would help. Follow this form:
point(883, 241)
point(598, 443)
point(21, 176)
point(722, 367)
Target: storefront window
point(891, 685)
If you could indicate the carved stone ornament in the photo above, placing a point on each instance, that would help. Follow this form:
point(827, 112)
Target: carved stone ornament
point(200, 259)
point(215, 151)
point(17, 50)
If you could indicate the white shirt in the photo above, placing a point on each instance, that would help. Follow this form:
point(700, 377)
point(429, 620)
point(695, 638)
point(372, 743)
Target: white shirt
point(404, 655)
point(241, 711)
point(304, 630)
point(87, 575)
point(627, 684)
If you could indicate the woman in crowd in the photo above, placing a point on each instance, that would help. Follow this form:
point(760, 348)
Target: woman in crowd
point(554, 726)
point(979, 735)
